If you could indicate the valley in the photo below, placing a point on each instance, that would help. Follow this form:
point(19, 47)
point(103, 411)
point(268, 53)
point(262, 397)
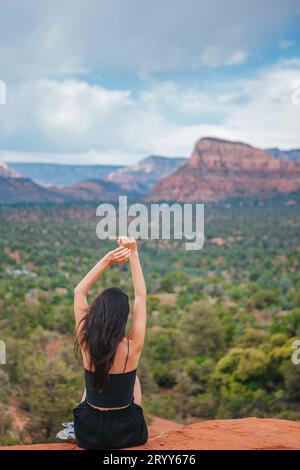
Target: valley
point(221, 321)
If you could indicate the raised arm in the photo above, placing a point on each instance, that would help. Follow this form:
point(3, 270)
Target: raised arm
point(138, 328)
point(119, 255)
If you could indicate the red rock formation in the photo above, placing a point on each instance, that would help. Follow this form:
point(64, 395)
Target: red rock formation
point(92, 190)
point(219, 169)
point(230, 434)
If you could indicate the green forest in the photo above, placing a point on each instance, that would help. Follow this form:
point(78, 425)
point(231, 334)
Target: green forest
point(221, 321)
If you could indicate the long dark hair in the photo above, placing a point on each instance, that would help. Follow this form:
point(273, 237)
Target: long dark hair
point(101, 330)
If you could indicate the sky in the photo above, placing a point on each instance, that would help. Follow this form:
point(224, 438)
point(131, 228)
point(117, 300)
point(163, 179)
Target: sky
point(113, 81)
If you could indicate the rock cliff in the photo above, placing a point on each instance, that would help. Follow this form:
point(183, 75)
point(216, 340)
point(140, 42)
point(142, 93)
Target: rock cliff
point(219, 169)
point(231, 434)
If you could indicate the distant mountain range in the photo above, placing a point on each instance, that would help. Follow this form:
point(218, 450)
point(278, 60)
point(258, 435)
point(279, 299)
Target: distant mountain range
point(44, 182)
point(293, 155)
point(6, 171)
point(142, 176)
point(48, 174)
point(14, 190)
point(137, 178)
point(23, 190)
point(217, 169)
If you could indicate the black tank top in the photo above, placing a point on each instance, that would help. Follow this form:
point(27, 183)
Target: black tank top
point(118, 391)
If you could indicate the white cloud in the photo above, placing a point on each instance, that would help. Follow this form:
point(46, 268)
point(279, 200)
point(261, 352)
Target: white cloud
point(50, 116)
point(216, 56)
point(236, 58)
point(74, 121)
point(286, 43)
point(47, 39)
point(268, 116)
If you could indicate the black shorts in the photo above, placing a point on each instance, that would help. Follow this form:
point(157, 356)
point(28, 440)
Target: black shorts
point(111, 429)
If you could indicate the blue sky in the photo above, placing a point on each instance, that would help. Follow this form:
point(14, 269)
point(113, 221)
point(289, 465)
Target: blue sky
point(113, 81)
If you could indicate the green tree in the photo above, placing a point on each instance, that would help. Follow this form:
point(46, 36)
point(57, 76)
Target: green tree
point(201, 332)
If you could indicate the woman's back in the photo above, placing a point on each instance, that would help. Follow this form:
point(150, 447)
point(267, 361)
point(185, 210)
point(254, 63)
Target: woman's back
point(119, 388)
point(126, 358)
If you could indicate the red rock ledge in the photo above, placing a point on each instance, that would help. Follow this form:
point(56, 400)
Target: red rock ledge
point(230, 434)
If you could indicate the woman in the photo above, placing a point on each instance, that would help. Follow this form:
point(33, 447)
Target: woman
point(110, 415)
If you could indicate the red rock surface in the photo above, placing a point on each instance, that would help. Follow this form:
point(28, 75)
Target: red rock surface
point(220, 169)
point(231, 434)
